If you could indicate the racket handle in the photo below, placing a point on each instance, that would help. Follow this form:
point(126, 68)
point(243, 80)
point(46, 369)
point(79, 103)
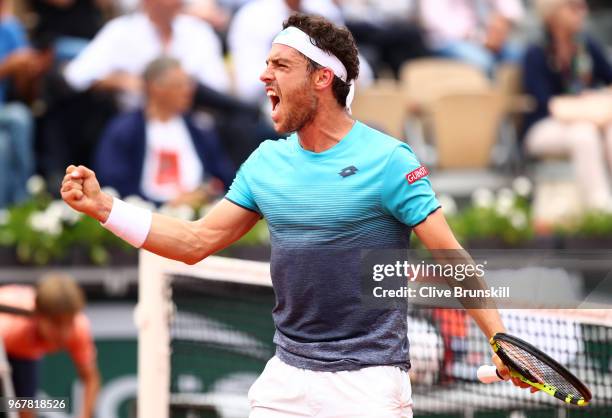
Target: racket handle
point(488, 374)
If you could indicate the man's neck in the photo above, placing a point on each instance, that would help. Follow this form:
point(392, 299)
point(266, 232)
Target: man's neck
point(163, 26)
point(564, 46)
point(327, 128)
point(158, 113)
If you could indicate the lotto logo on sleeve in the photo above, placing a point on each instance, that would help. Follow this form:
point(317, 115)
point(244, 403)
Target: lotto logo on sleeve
point(417, 174)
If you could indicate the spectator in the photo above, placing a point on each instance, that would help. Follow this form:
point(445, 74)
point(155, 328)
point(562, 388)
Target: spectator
point(476, 32)
point(567, 61)
point(21, 65)
point(157, 152)
point(56, 322)
point(251, 33)
point(118, 55)
point(111, 66)
point(385, 31)
point(209, 11)
point(69, 24)
point(16, 153)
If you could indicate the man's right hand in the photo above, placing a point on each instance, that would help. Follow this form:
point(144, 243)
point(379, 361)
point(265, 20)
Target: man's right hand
point(81, 191)
point(19, 61)
point(121, 81)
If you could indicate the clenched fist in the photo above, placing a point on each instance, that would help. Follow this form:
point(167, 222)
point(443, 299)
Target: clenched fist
point(81, 191)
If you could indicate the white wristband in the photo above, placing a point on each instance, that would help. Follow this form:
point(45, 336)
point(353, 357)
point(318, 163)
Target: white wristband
point(128, 222)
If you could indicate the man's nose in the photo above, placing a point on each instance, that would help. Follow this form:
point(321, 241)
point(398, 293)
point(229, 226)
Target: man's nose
point(266, 76)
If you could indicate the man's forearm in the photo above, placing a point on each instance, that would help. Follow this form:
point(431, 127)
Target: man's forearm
point(165, 236)
point(186, 241)
point(90, 393)
point(439, 239)
point(191, 242)
point(119, 82)
point(482, 310)
point(168, 237)
point(488, 320)
point(110, 83)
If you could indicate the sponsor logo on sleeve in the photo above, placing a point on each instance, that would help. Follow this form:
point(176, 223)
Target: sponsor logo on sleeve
point(417, 174)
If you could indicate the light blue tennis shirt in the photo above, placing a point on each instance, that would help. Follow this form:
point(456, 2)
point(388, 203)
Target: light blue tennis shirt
point(323, 209)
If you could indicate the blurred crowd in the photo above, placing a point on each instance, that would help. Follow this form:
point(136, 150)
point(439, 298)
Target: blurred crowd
point(163, 99)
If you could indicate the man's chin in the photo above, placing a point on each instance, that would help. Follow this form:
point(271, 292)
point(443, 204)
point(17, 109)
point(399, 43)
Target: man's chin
point(280, 128)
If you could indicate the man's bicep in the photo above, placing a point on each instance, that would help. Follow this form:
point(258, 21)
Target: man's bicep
point(435, 234)
point(229, 215)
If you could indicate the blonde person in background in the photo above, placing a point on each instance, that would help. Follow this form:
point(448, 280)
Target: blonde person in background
point(56, 323)
point(572, 118)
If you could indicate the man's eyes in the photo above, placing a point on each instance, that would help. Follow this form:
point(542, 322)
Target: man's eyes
point(280, 65)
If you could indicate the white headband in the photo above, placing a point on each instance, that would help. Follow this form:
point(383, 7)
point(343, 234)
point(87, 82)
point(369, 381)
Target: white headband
point(300, 41)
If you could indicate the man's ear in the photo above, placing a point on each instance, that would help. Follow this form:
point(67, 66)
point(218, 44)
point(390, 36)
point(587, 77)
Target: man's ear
point(323, 78)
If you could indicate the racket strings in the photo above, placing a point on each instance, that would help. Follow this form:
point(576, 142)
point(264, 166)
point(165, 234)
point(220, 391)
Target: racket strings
point(536, 370)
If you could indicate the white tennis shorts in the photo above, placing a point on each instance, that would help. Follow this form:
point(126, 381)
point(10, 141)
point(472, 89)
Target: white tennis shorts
point(284, 391)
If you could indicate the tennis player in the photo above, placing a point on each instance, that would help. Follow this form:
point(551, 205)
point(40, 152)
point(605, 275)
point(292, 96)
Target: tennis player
point(328, 191)
point(57, 323)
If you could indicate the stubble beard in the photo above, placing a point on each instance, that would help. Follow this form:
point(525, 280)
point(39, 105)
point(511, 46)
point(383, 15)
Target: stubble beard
point(302, 111)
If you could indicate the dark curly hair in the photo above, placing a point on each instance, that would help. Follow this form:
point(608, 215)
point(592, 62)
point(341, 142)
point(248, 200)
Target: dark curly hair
point(334, 40)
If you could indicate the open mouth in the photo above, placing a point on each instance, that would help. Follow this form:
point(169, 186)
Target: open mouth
point(275, 101)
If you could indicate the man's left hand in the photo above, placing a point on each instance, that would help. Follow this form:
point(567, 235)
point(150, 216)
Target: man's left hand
point(504, 372)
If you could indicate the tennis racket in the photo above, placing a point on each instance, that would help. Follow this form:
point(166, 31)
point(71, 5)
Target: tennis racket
point(536, 368)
